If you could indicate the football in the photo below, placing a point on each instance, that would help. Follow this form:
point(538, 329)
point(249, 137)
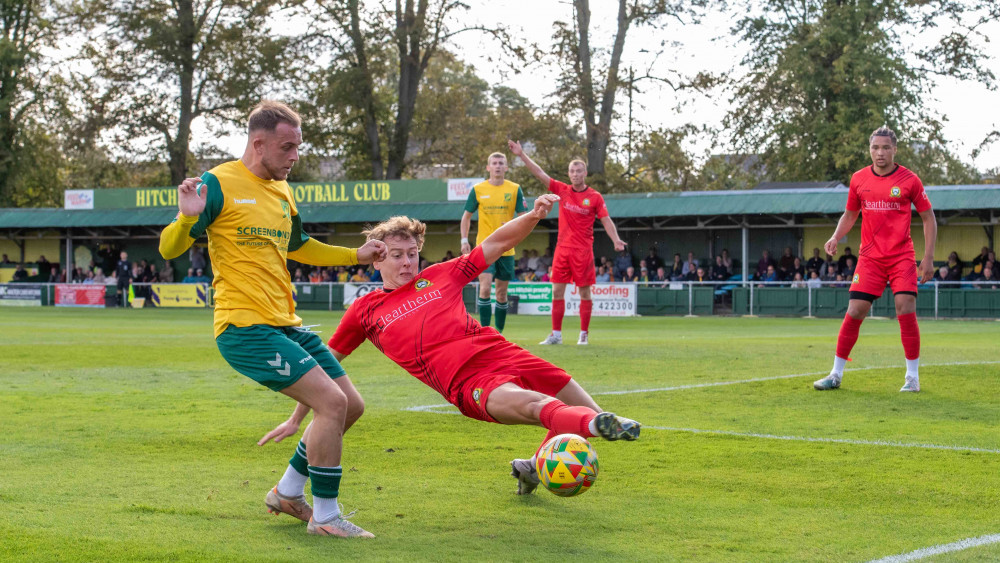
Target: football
point(567, 465)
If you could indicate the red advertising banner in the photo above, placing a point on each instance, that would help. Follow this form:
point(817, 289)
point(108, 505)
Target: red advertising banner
point(83, 295)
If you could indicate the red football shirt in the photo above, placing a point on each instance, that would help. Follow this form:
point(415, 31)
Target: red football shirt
point(884, 203)
point(423, 326)
point(577, 212)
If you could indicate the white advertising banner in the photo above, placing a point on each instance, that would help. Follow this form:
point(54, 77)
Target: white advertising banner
point(610, 299)
point(78, 199)
point(354, 290)
point(459, 188)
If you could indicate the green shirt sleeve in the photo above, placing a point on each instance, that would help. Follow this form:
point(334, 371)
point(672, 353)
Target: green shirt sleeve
point(472, 204)
point(213, 205)
point(519, 207)
point(299, 237)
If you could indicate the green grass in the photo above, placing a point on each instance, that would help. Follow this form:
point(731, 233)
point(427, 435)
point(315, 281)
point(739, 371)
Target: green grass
point(125, 436)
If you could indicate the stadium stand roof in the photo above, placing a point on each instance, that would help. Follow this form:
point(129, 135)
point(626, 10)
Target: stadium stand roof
point(808, 201)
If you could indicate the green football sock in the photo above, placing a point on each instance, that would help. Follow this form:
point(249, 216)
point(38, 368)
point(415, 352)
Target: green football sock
point(485, 308)
point(325, 481)
point(298, 460)
point(501, 315)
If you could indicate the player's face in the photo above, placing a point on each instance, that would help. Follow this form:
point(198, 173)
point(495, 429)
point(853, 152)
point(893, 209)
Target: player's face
point(577, 174)
point(883, 152)
point(402, 261)
point(280, 150)
point(497, 167)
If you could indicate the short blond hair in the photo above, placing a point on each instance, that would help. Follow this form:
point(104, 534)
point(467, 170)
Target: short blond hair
point(268, 114)
point(399, 226)
point(500, 154)
point(577, 160)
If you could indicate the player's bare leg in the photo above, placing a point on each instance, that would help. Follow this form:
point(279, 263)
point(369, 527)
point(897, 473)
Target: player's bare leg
point(906, 314)
point(558, 311)
point(586, 307)
point(324, 443)
point(484, 304)
point(857, 310)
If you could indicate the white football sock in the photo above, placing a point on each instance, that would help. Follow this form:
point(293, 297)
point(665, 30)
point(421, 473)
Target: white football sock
point(557, 333)
point(325, 509)
point(293, 483)
point(838, 365)
point(592, 427)
point(913, 368)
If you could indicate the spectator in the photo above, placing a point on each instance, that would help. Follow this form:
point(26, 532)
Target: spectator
point(327, 275)
point(785, 264)
point(677, 268)
point(343, 276)
point(602, 274)
point(123, 273)
point(54, 276)
point(98, 275)
point(955, 266)
point(653, 261)
point(623, 262)
point(979, 261)
point(533, 260)
point(424, 263)
point(20, 274)
point(644, 275)
point(360, 276)
point(840, 281)
point(698, 275)
point(43, 264)
point(661, 275)
point(167, 273)
point(448, 255)
point(797, 268)
point(152, 276)
point(829, 270)
point(630, 275)
point(145, 269)
point(989, 281)
point(814, 281)
point(315, 276)
point(770, 274)
point(848, 272)
point(375, 277)
point(197, 257)
point(814, 263)
point(89, 278)
point(691, 265)
point(200, 277)
point(137, 278)
point(719, 270)
point(842, 262)
point(545, 261)
point(797, 281)
point(547, 276)
point(189, 278)
point(530, 276)
point(942, 274)
point(5, 260)
point(522, 263)
point(763, 264)
point(299, 276)
point(727, 260)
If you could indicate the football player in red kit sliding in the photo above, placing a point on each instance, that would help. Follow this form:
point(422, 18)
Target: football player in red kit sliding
point(883, 193)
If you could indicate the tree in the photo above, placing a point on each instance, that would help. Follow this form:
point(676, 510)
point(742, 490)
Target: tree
point(823, 74)
point(365, 98)
point(587, 86)
point(168, 63)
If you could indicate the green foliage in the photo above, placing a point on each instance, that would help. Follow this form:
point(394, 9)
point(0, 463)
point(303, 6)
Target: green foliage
point(147, 440)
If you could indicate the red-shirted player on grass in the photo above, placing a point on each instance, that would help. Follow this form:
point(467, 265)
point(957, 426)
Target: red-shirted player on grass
point(573, 262)
point(419, 320)
point(883, 193)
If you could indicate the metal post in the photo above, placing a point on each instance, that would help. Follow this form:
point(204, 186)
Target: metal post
point(936, 296)
point(751, 300)
point(69, 254)
point(690, 299)
point(329, 295)
point(746, 252)
point(809, 298)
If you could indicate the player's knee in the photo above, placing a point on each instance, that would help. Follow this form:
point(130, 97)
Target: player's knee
point(355, 409)
point(331, 402)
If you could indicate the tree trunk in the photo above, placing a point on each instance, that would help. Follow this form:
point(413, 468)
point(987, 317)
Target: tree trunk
point(178, 149)
point(409, 33)
point(367, 93)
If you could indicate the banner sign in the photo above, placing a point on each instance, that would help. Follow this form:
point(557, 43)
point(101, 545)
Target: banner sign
point(178, 295)
point(20, 295)
point(80, 295)
point(78, 199)
point(610, 299)
point(353, 291)
point(459, 188)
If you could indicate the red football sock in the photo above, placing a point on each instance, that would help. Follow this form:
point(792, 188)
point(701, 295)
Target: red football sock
point(586, 306)
point(558, 310)
point(561, 418)
point(848, 336)
point(910, 334)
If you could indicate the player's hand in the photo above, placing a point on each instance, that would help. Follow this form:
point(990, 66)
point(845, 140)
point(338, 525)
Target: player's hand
point(831, 246)
point(925, 272)
point(372, 251)
point(282, 431)
point(189, 201)
point(620, 245)
point(466, 248)
point(543, 205)
point(515, 148)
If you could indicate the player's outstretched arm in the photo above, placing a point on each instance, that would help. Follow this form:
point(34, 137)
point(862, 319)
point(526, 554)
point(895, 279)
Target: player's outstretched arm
point(320, 254)
point(536, 171)
point(176, 237)
point(844, 226)
point(609, 227)
point(926, 269)
point(513, 232)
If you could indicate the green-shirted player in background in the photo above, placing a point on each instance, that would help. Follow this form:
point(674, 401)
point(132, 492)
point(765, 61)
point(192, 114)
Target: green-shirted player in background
point(498, 201)
point(253, 227)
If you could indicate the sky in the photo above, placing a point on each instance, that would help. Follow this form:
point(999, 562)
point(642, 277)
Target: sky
point(969, 109)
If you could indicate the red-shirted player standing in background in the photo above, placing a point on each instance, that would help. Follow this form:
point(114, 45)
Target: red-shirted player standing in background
point(419, 320)
point(579, 205)
point(884, 193)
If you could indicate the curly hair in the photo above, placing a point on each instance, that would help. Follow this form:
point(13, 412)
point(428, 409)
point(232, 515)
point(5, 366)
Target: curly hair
point(883, 131)
point(399, 226)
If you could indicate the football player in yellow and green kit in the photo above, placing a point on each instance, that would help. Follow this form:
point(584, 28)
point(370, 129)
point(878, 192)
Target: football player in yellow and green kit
point(498, 201)
point(253, 226)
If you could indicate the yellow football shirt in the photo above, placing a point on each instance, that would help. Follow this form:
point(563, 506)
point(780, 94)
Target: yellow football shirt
point(497, 205)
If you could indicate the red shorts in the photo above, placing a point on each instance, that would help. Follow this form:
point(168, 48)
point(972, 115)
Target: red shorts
point(574, 265)
point(517, 366)
point(872, 274)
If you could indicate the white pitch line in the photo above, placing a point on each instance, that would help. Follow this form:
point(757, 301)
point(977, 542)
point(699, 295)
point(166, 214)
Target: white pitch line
point(828, 440)
point(967, 543)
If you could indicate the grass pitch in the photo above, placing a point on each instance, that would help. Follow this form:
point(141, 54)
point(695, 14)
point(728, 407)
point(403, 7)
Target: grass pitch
point(125, 436)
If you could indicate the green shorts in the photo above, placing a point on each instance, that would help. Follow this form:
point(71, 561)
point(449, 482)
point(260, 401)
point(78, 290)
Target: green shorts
point(276, 356)
point(502, 269)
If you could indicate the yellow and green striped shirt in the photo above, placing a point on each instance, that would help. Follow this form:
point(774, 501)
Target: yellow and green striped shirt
point(496, 205)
